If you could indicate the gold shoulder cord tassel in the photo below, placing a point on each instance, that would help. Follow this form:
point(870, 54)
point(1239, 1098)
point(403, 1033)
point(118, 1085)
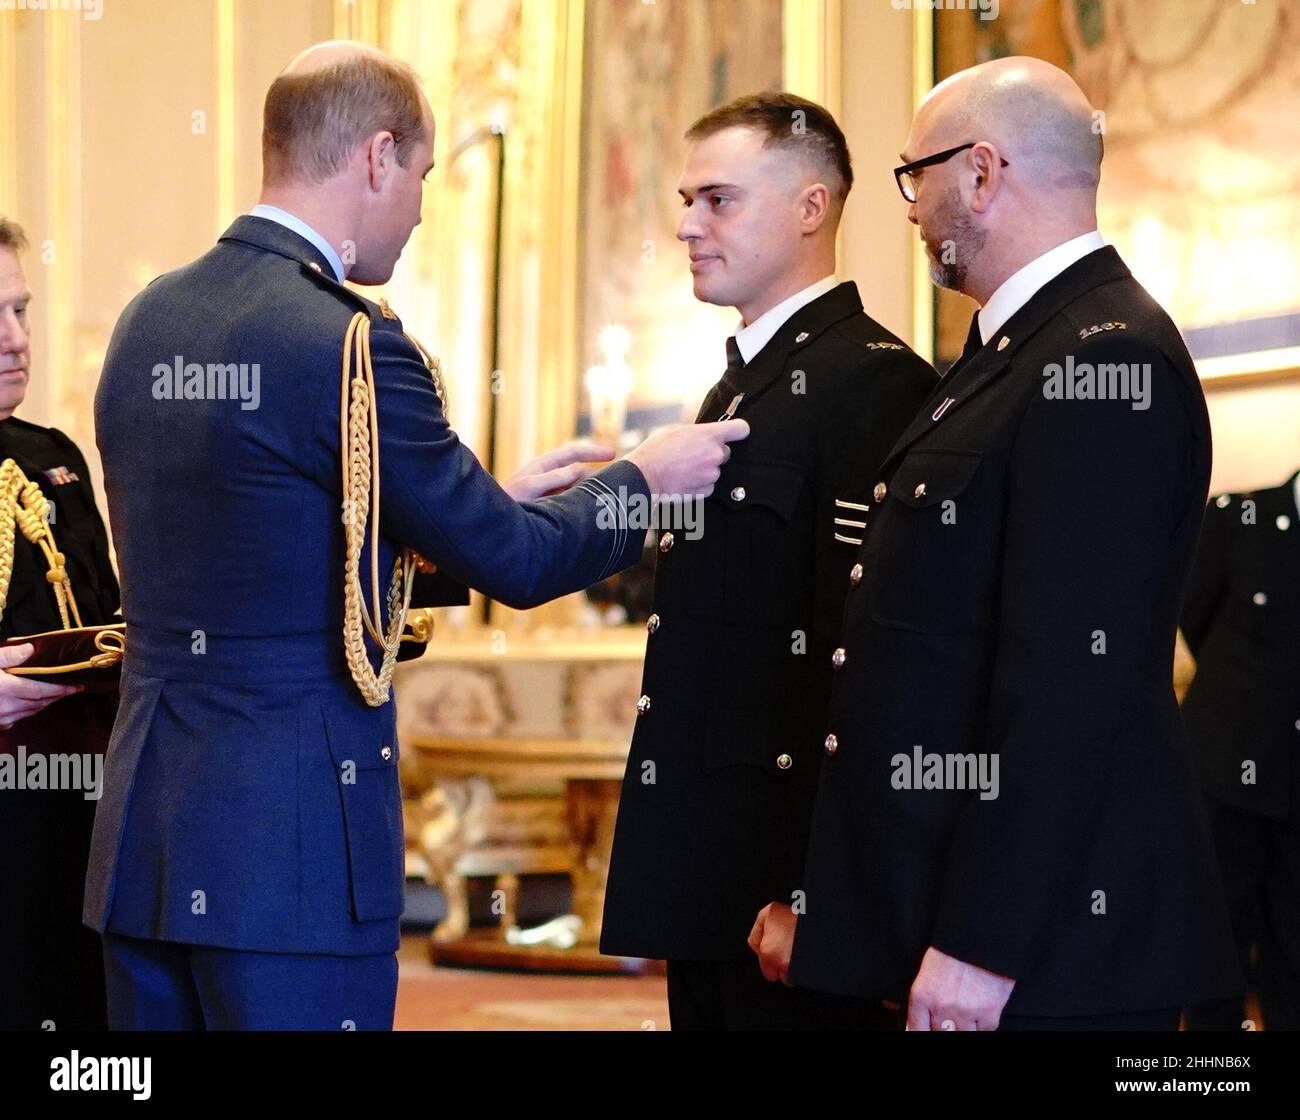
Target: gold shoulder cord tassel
point(359, 451)
point(23, 504)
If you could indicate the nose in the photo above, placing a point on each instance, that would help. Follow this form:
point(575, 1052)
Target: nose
point(911, 213)
point(688, 229)
point(13, 337)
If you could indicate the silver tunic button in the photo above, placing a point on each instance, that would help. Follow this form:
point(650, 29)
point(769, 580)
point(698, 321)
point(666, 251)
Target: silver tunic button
point(643, 705)
point(1259, 598)
point(855, 574)
point(880, 491)
point(1222, 501)
point(784, 761)
point(738, 494)
point(666, 542)
point(832, 744)
point(919, 492)
point(1283, 522)
point(652, 623)
point(839, 657)
point(386, 753)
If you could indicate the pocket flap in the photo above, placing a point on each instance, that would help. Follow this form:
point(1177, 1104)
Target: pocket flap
point(363, 745)
point(764, 482)
point(926, 478)
point(359, 736)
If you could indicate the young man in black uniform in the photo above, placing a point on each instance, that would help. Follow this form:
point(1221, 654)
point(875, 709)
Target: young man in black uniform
point(52, 971)
point(713, 820)
point(1241, 620)
point(1007, 832)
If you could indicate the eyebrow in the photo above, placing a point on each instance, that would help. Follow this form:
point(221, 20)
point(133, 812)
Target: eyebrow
point(709, 188)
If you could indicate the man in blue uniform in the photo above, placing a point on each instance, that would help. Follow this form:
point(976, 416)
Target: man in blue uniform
point(247, 861)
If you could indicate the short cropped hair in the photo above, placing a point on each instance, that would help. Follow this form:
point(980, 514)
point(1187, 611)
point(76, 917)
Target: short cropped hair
point(790, 123)
point(12, 235)
point(313, 121)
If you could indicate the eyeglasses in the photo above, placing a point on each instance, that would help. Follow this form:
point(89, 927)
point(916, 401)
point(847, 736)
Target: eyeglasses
point(903, 175)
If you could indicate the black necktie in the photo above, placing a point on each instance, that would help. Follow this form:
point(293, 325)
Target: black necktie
point(974, 343)
point(721, 395)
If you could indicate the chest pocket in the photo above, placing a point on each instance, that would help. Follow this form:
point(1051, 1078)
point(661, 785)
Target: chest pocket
point(751, 548)
point(929, 558)
point(1264, 594)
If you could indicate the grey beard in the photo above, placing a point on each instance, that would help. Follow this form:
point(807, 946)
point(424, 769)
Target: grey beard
point(966, 239)
point(951, 275)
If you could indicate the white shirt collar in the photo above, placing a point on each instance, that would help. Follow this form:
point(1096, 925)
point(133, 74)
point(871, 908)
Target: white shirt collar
point(751, 339)
point(1018, 288)
point(302, 229)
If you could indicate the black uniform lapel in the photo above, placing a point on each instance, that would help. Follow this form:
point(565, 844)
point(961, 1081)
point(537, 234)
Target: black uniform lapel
point(1098, 267)
point(798, 331)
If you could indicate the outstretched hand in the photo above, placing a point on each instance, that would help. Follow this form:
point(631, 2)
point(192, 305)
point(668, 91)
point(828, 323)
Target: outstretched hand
point(555, 471)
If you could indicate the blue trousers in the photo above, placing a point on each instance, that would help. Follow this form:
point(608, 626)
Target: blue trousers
point(168, 986)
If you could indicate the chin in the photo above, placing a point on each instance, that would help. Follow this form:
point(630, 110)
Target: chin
point(707, 294)
point(370, 276)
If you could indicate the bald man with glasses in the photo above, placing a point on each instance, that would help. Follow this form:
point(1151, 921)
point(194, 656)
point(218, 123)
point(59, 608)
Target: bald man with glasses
point(1007, 832)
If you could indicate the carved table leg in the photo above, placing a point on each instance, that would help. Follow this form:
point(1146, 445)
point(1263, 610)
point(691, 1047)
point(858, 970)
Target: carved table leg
point(592, 806)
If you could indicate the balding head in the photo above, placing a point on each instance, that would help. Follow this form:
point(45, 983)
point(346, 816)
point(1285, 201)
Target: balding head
point(332, 98)
point(1026, 107)
point(347, 143)
point(1027, 181)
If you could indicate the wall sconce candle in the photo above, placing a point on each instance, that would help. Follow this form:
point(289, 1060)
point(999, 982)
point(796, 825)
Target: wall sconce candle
point(609, 386)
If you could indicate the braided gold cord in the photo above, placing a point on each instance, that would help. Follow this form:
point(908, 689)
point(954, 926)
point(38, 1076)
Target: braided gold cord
point(22, 504)
point(359, 453)
point(434, 366)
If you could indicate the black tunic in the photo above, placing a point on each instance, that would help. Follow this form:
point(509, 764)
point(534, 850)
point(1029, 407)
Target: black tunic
point(51, 970)
point(717, 798)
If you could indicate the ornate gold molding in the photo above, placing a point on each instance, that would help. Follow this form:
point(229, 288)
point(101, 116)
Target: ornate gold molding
point(541, 250)
point(224, 125)
point(9, 118)
point(922, 288)
point(358, 19)
point(62, 147)
point(810, 55)
point(540, 285)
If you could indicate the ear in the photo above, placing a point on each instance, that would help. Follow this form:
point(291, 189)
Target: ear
point(381, 154)
point(983, 176)
point(814, 208)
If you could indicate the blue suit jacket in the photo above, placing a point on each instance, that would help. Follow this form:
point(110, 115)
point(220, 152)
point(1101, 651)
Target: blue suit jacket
point(251, 797)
